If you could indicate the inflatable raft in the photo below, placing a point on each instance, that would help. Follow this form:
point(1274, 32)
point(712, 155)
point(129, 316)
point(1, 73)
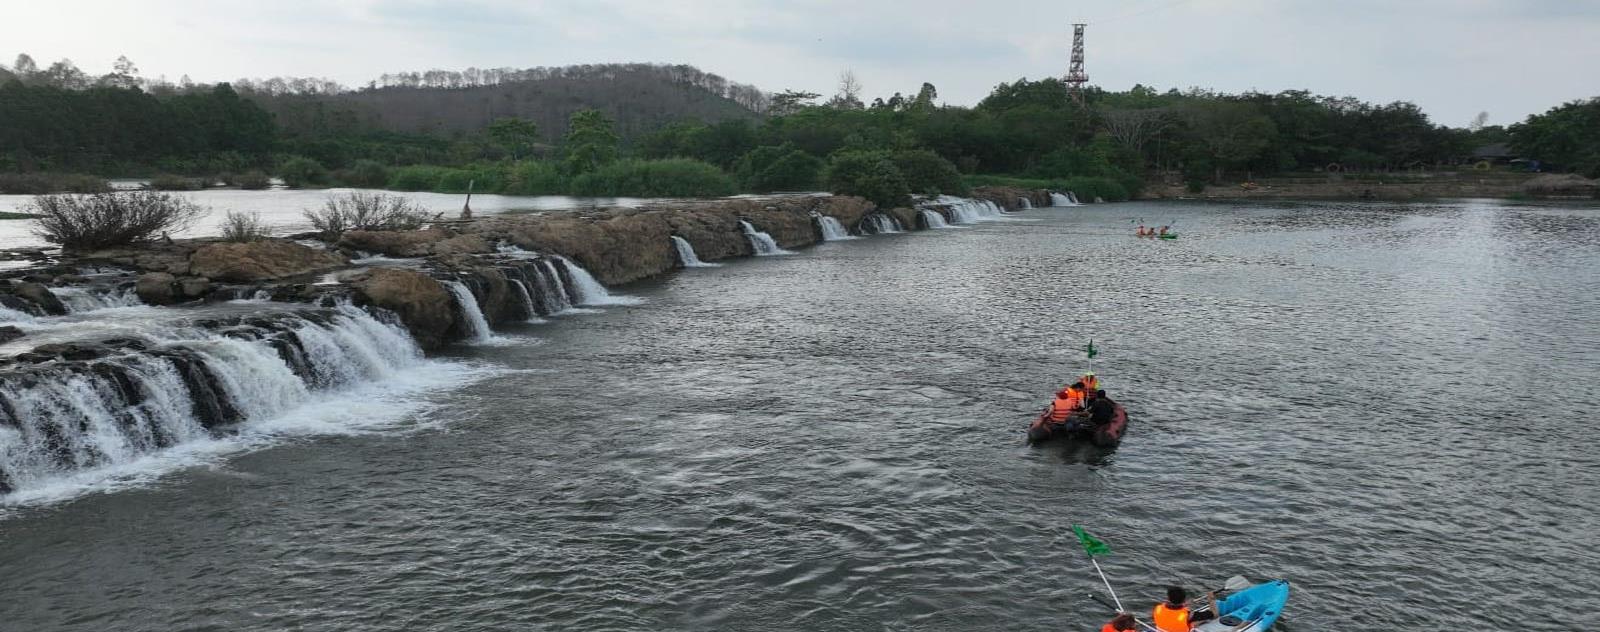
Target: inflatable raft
point(1076, 428)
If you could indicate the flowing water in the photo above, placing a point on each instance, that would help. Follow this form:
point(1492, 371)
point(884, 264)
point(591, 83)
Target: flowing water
point(832, 228)
point(686, 255)
point(1389, 405)
point(762, 243)
point(933, 219)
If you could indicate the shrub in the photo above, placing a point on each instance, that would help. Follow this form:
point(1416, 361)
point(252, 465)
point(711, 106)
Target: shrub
point(243, 227)
point(671, 177)
point(416, 178)
point(869, 174)
point(366, 211)
point(43, 183)
point(84, 222)
point(790, 170)
point(364, 173)
point(299, 171)
point(1195, 185)
point(480, 178)
point(535, 178)
point(928, 172)
point(253, 181)
point(169, 182)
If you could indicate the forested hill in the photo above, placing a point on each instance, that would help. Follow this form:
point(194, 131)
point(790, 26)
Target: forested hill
point(638, 98)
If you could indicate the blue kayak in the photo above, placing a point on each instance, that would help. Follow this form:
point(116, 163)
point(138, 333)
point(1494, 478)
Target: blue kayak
point(1252, 609)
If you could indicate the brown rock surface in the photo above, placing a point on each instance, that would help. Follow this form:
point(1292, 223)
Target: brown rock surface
point(261, 261)
point(422, 303)
point(158, 288)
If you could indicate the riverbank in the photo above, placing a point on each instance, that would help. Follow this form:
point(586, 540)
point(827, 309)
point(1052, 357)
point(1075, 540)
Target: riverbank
point(1397, 186)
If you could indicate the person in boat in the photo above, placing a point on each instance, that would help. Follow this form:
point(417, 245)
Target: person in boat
point(1060, 409)
point(1163, 231)
point(1101, 410)
point(1140, 232)
point(1120, 623)
point(1090, 382)
point(1174, 616)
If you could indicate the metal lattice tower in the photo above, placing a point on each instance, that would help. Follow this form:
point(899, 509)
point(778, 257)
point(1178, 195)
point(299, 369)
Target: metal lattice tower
point(1076, 77)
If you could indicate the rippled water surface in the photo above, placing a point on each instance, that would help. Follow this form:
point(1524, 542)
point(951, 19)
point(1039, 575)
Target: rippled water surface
point(1390, 406)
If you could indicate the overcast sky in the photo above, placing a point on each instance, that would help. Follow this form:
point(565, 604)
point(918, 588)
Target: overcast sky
point(1453, 57)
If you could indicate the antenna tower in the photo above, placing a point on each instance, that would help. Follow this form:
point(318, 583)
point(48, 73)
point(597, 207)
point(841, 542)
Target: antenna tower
point(1075, 75)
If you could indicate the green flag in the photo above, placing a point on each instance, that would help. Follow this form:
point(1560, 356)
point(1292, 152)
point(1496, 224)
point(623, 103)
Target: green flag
point(1092, 351)
point(1090, 545)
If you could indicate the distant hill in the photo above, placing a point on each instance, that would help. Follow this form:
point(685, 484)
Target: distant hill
point(638, 97)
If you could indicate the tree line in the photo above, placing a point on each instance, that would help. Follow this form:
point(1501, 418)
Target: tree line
point(433, 126)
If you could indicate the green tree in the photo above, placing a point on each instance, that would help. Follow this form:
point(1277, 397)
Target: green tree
point(869, 174)
point(927, 172)
point(516, 135)
point(1229, 133)
point(590, 142)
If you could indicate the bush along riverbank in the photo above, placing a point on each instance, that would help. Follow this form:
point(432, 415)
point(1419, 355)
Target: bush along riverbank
point(328, 310)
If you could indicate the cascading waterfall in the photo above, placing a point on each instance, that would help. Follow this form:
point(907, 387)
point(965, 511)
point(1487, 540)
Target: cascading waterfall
point(1025, 202)
point(477, 326)
point(762, 243)
point(590, 291)
point(131, 399)
point(8, 315)
point(78, 300)
point(970, 211)
point(1058, 199)
point(686, 254)
point(881, 224)
point(832, 228)
point(934, 219)
point(528, 307)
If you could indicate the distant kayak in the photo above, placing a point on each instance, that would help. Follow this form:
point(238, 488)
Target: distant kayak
point(1252, 609)
point(1076, 428)
point(1169, 236)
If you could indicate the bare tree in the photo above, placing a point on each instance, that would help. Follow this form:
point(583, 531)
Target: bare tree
point(1133, 128)
point(1478, 121)
point(849, 96)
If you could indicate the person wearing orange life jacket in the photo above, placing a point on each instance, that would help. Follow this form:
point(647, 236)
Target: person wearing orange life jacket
point(1090, 382)
point(1173, 616)
point(1120, 623)
point(1062, 407)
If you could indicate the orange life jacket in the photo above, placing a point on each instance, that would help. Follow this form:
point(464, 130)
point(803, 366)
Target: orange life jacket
point(1059, 409)
point(1090, 383)
point(1171, 619)
point(1109, 628)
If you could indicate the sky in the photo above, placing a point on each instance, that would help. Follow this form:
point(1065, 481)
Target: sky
point(1455, 58)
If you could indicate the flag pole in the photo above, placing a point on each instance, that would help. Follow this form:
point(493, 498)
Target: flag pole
point(1107, 582)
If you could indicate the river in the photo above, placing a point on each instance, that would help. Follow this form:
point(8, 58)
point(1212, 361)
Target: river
point(1391, 406)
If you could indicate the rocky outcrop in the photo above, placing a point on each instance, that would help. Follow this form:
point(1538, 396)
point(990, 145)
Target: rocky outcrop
point(265, 260)
point(161, 288)
point(40, 295)
point(415, 243)
point(422, 303)
point(1010, 198)
point(9, 333)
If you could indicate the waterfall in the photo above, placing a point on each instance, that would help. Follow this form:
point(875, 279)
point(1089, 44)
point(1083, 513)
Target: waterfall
point(589, 291)
point(1025, 202)
point(1057, 199)
point(477, 326)
point(832, 228)
point(527, 300)
point(82, 300)
point(881, 224)
point(763, 243)
point(686, 254)
point(553, 297)
point(968, 210)
point(934, 219)
point(122, 410)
